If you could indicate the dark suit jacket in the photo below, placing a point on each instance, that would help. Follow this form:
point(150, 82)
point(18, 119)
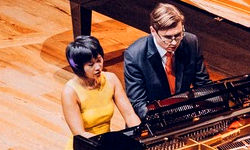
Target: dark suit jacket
point(145, 77)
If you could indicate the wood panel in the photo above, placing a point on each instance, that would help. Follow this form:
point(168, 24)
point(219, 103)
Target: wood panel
point(237, 11)
point(33, 69)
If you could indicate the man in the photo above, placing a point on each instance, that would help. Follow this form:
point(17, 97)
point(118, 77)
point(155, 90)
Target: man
point(166, 62)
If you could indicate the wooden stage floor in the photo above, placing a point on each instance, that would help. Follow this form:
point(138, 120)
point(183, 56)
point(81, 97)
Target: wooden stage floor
point(33, 69)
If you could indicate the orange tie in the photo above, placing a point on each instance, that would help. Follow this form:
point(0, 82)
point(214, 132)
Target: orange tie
point(170, 72)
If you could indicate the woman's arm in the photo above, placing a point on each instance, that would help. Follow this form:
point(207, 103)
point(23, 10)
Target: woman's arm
point(123, 104)
point(72, 113)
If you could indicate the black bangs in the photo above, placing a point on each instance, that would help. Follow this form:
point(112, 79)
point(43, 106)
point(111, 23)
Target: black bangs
point(81, 55)
point(90, 43)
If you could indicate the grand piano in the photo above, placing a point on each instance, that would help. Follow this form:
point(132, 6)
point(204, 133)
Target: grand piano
point(223, 35)
point(209, 118)
point(212, 117)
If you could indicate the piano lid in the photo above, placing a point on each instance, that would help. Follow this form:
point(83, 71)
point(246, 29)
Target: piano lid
point(237, 11)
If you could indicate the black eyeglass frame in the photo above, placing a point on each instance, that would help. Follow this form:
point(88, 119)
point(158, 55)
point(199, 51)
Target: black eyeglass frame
point(168, 41)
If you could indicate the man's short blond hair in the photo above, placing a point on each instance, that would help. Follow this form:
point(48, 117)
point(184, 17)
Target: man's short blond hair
point(165, 16)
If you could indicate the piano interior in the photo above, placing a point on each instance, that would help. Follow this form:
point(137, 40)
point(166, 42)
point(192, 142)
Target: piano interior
point(213, 117)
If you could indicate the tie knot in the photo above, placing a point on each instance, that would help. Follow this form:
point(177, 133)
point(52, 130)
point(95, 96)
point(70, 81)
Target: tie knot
point(169, 54)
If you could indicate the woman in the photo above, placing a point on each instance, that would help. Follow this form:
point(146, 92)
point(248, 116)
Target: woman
point(88, 98)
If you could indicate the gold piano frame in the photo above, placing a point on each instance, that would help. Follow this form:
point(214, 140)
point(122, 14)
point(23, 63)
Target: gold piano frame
point(212, 143)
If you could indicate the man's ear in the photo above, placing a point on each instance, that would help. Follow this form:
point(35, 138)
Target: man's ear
point(152, 30)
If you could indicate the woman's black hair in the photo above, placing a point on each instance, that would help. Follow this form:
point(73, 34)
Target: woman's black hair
point(81, 51)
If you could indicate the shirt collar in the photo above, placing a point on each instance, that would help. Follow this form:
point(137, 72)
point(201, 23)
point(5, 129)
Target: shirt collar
point(161, 51)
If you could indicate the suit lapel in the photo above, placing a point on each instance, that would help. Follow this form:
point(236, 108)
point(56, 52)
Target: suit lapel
point(179, 67)
point(155, 60)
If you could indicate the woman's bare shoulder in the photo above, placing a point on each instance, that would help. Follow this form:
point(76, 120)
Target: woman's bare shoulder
point(111, 77)
point(109, 74)
point(68, 91)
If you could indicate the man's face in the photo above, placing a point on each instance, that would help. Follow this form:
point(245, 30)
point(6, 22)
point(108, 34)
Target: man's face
point(169, 39)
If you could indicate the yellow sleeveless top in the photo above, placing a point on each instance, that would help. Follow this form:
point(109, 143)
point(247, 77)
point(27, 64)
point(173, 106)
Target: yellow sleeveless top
point(97, 106)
